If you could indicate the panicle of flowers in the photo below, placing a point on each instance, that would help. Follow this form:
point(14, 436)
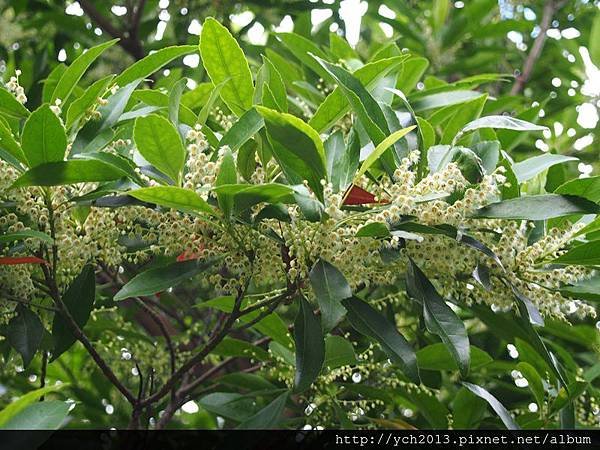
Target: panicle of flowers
point(15, 88)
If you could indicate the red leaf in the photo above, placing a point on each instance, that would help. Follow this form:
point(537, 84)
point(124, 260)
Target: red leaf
point(358, 196)
point(11, 261)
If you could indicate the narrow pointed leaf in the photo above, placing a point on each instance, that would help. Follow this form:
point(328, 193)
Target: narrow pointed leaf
point(538, 207)
point(498, 407)
point(439, 318)
point(310, 347)
point(330, 288)
point(371, 323)
point(69, 172)
point(25, 331)
point(267, 418)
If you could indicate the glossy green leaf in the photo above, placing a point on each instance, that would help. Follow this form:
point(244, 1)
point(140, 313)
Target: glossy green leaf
point(48, 415)
point(210, 103)
point(336, 104)
point(438, 357)
point(229, 404)
point(10, 107)
point(310, 346)
point(297, 148)
point(227, 174)
point(534, 382)
point(526, 170)
point(148, 65)
point(538, 207)
point(414, 68)
point(442, 99)
point(160, 144)
point(69, 172)
point(369, 322)
point(364, 105)
point(159, 279)
point(9, 144)
point(267, 418)
point(85, 101)
point(71, 76)
point(381, 148)
point(243, 129)
point(439, 318)
point(587, 289)
point(18, 405)
point(498, 408)
point(173, 197)
point(502, 122)
point(465, 112)
point(248, 195)
point(25, 234)
point(301, 48)
point(24, 333)
point(223, 60)
point(339, 352)
point(587, 254)
point(79, 301)
point(582, 187)
point(330, 288)
point(342, 159)
point(44, 139)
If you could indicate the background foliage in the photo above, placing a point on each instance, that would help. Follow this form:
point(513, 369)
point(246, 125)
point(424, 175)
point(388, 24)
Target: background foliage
point(534, 60)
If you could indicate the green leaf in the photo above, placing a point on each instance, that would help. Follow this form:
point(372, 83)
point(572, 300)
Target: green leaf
point(224, 59)
point(10, 107)
point(227, 174)
point(310, 347)
point(79, 106)
point(587, 254)
point(371, 323)
point(439, 318)
point(44, 139)
point(335, 105)
point(502, 122)
point(25, 234)
point(339, 352)
point(538, 207)
point(414, 68)
point(48, 415)
point(243, 129)
point(588, 289)
point(71, 76)
point(153, 62)
point(173, 197)
point(489, 153)
point(465, 113)
point(297, 148)
point(229, 404)
point(210, 103)
point(174, 103)
point(159, 279)
point(10, 145)
point(268, 417)
point(439, 100)
point(231, 347)
point(364, 105)
point(535, 382)
point(342, 159)
point(79, 301)
point(247, 195)
point(438, 357)
point(270, 88)
point(159, 143)
point(468, 410)
point(121, 163)
point(594, 42)
point(16, 406)
point(582, 187)
point(69, 172)
point(526, 170)
point(498, 408)
point(330, 288)
point(375, 230)
point(24, 333)
point(301, 48)
point(381, 148)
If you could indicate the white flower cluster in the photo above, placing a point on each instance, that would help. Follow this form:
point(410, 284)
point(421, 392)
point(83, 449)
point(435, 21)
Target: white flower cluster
point(16, 89)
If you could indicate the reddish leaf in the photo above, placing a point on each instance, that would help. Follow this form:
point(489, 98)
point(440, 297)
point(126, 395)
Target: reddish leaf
point(358, 196)
point(11, 261)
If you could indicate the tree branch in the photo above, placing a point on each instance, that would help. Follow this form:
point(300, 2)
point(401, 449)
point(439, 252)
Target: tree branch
point(550, 8)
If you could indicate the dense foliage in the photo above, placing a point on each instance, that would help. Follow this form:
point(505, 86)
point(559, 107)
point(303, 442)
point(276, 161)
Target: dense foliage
point(313, 236)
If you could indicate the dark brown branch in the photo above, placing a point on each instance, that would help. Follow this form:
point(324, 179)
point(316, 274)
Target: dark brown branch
point(127, 42)
point(550, 8)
